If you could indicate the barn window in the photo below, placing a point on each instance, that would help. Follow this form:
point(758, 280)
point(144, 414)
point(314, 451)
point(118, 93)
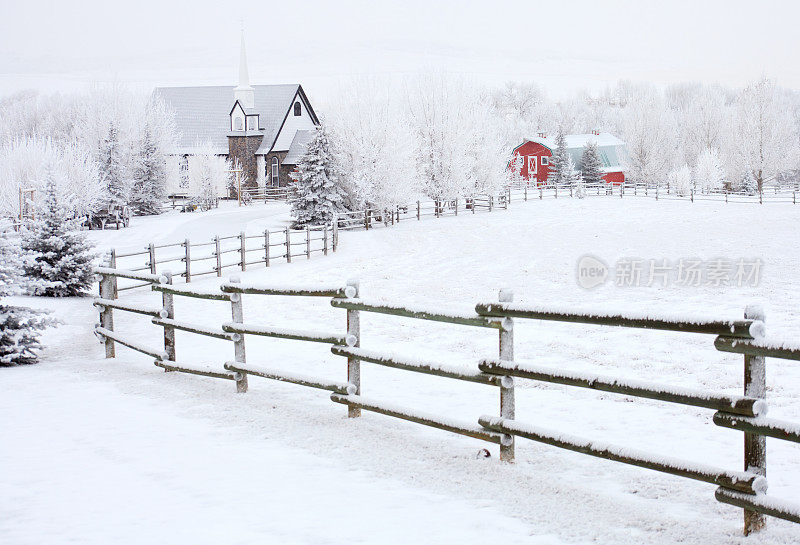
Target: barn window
point(297, 110)
point(545, 161)
point(274, 176)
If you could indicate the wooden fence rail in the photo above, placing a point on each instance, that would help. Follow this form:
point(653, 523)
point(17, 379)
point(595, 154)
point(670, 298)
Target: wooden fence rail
point(269, 246)
point(746, 413)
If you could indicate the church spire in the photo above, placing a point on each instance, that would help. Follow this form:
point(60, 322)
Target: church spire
point(244, 93)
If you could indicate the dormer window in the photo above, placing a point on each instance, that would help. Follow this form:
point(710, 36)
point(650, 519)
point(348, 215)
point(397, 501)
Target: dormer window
point(297, 109)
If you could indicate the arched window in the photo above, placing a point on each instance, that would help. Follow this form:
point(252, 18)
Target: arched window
point(297, 109)
point(238, 123)
point(274, 182)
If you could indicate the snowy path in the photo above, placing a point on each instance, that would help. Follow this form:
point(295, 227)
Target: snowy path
point(446, 494)
point(175, 226)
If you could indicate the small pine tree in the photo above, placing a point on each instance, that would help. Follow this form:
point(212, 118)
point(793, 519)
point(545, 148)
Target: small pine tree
point(558, 160)
point(591, 165)
point(149, 176)
point(570, 175)
point(19, 326)
point(112, 168)
point(319, 192)
point(59, 256)
point(749, 183)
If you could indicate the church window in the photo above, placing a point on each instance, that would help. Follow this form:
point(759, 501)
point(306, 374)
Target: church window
point(274, 176)
point(238, 124)
point(297, 110)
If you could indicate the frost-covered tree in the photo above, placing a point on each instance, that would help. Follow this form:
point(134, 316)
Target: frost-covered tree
point(113, 168)
point(209, 177)
point(766, 139)
point(748, 184)
point(591, 165)
point(19, 326)
point(708, 173)
point(558, 161)
point(24, 164)
point(649, 131)
point(680, 180)
point(149, 176)
point(318, 193)
point(59, 256)
point(570, 175)
point(373, 139)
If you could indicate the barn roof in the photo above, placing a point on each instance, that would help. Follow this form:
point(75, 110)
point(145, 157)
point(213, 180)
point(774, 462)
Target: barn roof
point(202, 114)
point(610, 148)
point(298, 147)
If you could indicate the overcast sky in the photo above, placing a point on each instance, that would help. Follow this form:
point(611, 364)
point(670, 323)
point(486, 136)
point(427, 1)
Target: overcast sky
point(565, 46)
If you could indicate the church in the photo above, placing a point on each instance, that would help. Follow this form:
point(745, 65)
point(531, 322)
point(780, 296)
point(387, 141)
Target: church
point(266, 128)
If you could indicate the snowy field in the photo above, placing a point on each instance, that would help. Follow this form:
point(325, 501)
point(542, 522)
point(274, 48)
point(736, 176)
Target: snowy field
point(116, 451)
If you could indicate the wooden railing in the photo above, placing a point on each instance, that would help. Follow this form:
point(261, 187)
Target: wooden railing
point(247, 250)
point(746, 413)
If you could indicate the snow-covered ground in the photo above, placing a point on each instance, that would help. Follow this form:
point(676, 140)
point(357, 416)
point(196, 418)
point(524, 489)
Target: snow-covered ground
point(97, 450)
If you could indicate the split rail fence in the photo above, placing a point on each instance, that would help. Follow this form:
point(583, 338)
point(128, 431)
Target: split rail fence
point(746, 413)
point(192, 259)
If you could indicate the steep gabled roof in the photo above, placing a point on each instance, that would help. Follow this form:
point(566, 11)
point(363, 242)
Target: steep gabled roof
point(202, 114)
point(298, 147)
point(604, 139)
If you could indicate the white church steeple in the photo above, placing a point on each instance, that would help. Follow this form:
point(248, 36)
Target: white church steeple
point(244, 93)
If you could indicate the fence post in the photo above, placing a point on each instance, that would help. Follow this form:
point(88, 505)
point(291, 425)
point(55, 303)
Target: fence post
point(755, 446)
point(266, 245)
point(237, 316)
point(508, 200)
point(525, 192)
point(112, 262)
point(325, 239)
point(507, 383)
point(354, 364)
point(726, 196)
point(308, 242)
point(456, 206)
point(288, 246)
point(188, 259)
point(218, 254)
point(794, 197)
point(366, 219)
point(691, 195)
point(242, 250)
point(335, 241)
point(106, 314)
point(168, 302)
point(417, 210)
point(151, 249)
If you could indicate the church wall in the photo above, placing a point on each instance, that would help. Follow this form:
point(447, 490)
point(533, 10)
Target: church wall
point(243, 148)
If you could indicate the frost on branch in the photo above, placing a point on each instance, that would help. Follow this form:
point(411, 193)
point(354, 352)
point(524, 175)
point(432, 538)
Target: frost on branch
point(59, 258)
point(19, 326)
point(319, 193)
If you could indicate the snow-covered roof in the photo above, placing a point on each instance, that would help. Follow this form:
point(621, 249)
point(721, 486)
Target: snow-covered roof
point(202, 113)
point(610, 148)
point(298, 147)
point(580, 140)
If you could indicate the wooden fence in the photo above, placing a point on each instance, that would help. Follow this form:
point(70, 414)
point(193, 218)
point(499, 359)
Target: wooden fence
point(746, 413)
point(246, 250)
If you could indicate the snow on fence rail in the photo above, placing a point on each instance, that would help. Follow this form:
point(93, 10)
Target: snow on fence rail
point(248, 250)
point(746, 413)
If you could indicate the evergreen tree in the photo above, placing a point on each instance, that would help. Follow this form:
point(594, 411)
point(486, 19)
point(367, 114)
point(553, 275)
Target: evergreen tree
point(749, 183)
point(19, 326)
point(558, 160)
point(149, 176)
point(319, 192)
point(59, 256)
point(112, 168)
point(570, 175)
point(591, 165)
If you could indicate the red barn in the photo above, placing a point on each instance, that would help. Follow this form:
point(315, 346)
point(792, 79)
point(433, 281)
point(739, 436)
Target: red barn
point(532, 157)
